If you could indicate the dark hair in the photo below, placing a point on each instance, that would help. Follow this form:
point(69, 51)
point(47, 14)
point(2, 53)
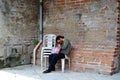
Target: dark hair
point(58, 37)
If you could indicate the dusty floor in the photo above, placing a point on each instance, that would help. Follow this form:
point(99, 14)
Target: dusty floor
point(29, 72)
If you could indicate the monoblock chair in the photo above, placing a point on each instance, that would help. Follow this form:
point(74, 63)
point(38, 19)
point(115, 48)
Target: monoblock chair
point(63, 63)
point(49, 42)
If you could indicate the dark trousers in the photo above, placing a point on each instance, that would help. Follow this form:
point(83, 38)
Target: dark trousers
point(53, 58)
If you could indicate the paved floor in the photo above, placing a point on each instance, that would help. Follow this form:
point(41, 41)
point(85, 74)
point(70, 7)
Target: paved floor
point(29, 72)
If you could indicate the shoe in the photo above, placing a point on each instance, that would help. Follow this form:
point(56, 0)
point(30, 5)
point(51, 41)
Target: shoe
point(53, 69)
point(47, 71)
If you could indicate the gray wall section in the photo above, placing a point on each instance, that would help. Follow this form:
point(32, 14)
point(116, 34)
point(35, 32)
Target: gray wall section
point(18, 26)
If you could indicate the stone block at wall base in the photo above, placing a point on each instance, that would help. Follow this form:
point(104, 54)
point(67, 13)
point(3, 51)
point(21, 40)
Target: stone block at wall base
point(15, 60)
point(25, 59)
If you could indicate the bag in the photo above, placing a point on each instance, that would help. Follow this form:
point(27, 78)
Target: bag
point(55, 50)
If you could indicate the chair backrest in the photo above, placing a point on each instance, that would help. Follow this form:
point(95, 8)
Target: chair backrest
point(49, 40)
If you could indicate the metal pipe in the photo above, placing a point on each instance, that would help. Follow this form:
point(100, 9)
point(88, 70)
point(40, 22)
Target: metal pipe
point(41, 21)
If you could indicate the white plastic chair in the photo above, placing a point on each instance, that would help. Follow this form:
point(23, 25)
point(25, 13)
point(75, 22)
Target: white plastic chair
point(63, 63)
point(49, 42)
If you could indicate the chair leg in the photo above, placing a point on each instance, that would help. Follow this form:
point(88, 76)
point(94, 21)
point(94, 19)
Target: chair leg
point(69, 63)
point(41, 63)
point(63, 64)
point(45, 63)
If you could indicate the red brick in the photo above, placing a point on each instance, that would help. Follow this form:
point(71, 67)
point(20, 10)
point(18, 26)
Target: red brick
point(108, 63)
point(106, 73)
point(61, 1)
point(118, 1)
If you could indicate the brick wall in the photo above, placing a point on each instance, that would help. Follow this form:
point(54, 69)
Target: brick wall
point(91, 26)
point(118, 33)
point(18, 27)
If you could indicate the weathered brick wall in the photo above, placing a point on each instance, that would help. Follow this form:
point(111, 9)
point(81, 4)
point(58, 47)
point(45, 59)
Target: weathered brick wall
point(18, 27)
point(91, 26)
point(118, 33)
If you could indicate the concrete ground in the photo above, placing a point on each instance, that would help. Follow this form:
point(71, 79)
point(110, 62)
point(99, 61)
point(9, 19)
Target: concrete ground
point(29, 72)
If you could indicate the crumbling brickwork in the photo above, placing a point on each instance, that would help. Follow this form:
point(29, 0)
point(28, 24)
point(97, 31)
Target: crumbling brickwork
point(118, 35)
point(91, 26)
